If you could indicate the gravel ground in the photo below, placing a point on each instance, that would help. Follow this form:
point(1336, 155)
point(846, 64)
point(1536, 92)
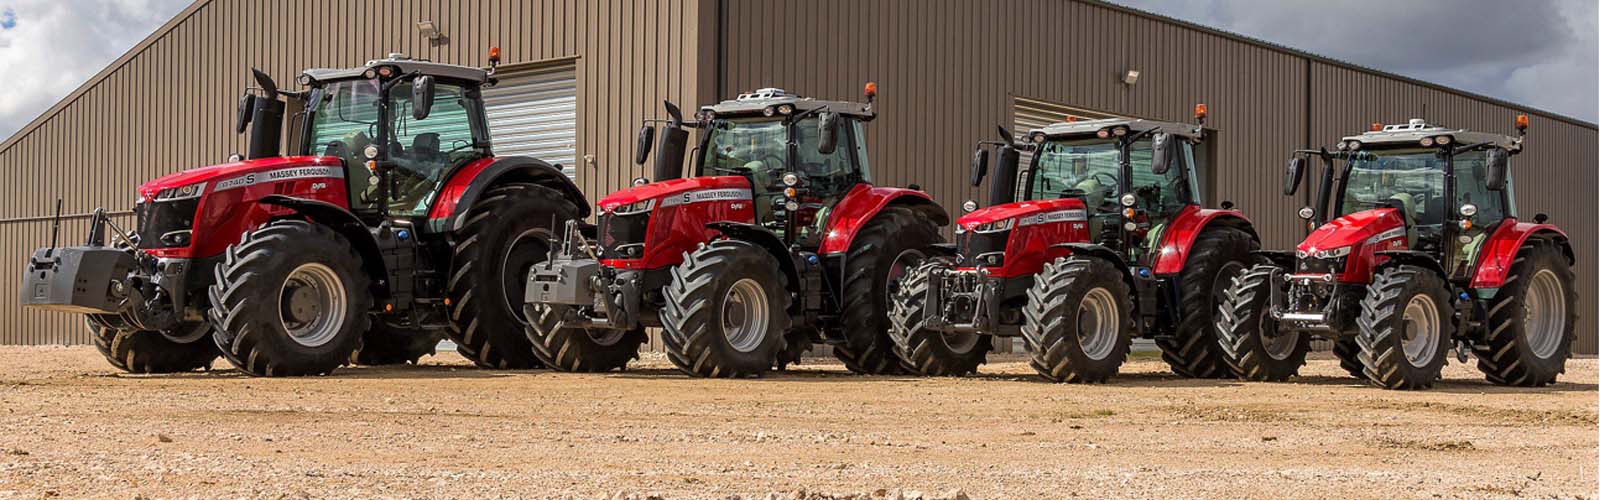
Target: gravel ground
point(71, 426)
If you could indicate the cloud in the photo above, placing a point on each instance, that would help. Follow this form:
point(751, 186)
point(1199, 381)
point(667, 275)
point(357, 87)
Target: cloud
point(50, 47)
point(1541, 54)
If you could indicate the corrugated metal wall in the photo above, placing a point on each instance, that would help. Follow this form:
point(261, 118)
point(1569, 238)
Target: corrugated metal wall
point(168, 105)
point(949, 69)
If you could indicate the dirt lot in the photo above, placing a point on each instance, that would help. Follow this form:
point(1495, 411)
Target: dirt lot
point(71, 426)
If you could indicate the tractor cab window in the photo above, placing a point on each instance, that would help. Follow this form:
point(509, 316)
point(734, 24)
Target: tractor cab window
point(424, 151)
point(1411, 179)
point(346, 120)
point(1080, 168)
point(758, 149)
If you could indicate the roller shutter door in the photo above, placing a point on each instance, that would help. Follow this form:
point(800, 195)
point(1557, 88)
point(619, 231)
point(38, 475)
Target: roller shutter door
point(534, 112)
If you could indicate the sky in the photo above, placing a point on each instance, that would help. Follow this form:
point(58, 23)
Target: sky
point(1542, 53)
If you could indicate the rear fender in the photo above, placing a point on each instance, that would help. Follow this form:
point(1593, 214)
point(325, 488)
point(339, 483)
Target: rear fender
point(341, 221)
point(1494, 262)
point(470, 183)
point(758, 236)
point(863, 203)
point(1185, 228)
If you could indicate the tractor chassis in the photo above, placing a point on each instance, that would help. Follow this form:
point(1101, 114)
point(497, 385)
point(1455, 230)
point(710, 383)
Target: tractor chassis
point(972, 301)
point(599, 296)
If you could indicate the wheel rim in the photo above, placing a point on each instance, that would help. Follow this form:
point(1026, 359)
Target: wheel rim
point(1420, 333)
point(745, 315)
point(605, 336)
point(1225, 275)
point(1544, 313)
point(312, 304)
point(514, 267)
point(1097, 323)
point(898, 269)
point(1279, 345)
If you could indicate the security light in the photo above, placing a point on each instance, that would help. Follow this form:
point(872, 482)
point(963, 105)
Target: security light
point(1130, 77)
point(428, 30)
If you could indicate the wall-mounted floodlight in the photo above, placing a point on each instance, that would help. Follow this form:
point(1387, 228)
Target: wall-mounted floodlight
point(1130, 77)
point(429, 30)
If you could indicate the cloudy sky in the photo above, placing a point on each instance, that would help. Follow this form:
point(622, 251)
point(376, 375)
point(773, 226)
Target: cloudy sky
point(1539, 52)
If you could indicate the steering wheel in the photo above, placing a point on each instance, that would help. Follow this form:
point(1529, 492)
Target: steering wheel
point(1109, 182)
point(464, 145)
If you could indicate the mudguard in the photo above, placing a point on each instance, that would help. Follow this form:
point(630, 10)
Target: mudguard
point(1409, 257)
point(469, 184)
point(342, 221)
point(1500, 253)
point(1103, 252)
point(1178, 239)
point(761, 237)
point(862, 203)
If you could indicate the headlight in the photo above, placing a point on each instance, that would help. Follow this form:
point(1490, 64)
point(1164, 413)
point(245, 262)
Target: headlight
point(635, 207)
point(969, 206)
point(640, 181)
point(1443, 140)
point(1426, 141)
point(791, 180)
point(1355, 145)
point(1469, 210)
point(371, 151)
point(996, 226)
point(791, 205)
point(181, 192)
point(1307, 213)
point(1129, 199)
point(1333, 253)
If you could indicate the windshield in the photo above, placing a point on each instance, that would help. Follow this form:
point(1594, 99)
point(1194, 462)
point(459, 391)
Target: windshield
point(746, 147)
point(757, 148)
point(1413, 178)
point(1089, 168)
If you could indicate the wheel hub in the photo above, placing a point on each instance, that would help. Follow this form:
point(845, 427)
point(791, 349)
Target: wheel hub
point(1420, 330)
point(1097, 323)
point(1544, 313)
point(745, 315)
point(312, 304)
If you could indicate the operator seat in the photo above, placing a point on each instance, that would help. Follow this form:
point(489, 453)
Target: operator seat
point(425, 148)
point(1094, 193)
point(1407, 206)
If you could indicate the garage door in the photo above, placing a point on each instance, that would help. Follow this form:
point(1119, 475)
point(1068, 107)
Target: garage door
point(534, 112)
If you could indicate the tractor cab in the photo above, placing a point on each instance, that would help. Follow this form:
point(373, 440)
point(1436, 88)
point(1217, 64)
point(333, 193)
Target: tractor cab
point(408, 121)
point(1444, 191)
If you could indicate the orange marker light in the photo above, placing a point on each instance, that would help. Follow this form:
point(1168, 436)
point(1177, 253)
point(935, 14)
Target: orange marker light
point(1522, 122)
point(871, 90)
point(1377, 127)
point(494, 55)
point(1071, 118)
point(372, 165)
point(1200, 111)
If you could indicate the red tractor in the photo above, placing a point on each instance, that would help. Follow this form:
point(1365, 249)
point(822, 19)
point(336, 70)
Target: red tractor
point(390, 224)
point(1111, 242)
point(779, 239)
point(1420, 250)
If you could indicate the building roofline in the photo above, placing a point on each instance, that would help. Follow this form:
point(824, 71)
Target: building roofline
point(100, 76)
point(1335, 62)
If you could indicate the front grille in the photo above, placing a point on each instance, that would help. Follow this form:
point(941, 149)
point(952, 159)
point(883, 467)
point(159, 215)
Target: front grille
point(153, 220)
point(969, 244)
point(622, 236)
point(1311, 265)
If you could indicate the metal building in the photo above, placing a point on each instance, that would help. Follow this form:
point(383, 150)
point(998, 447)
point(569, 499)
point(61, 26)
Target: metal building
point(582, 74)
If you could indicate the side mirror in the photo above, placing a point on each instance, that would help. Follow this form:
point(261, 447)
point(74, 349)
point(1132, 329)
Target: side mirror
point(1292, 176)
point(1499, 160)
point(1164, 147)
point(641, 148)
point(980, 165)
point(422, 97)
point(1003, 189)
point(827, 128)
point(247, 106)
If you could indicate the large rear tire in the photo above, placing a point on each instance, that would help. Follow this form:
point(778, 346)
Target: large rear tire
point(385, 344)
point(869, 264)
point(1217, 255)
point(579, 349)
point(925, 351)
point(289, 299)
point(1531, 319)
point(1078, 323)
point(726, 311)
point(1252, 345)
point(141, 351)
point(1405, 325)
point(506, 233)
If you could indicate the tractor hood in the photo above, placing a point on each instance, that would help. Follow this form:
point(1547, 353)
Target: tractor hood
point(1017, 209)
point(231, 170)
point(678, 187)
point(1354, 229)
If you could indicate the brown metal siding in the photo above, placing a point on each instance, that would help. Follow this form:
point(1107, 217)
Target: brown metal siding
point(948, 70)
point(169, 104)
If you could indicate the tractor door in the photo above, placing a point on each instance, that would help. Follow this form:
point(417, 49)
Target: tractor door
point(826, 178)
point(343, 122)
point(424, 152)
point(1472, 187)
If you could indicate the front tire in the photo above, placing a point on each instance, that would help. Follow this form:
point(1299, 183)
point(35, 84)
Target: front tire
point(1531, 319)
point(506, 233)
point(925, 351)
point(1252, 345)
point(579, 349)
point(868, 348)
point(1078, 322)
point(1216, 256)
point(1405, 328)
point(143, 351)
point(289, 299)
point(726, 311)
